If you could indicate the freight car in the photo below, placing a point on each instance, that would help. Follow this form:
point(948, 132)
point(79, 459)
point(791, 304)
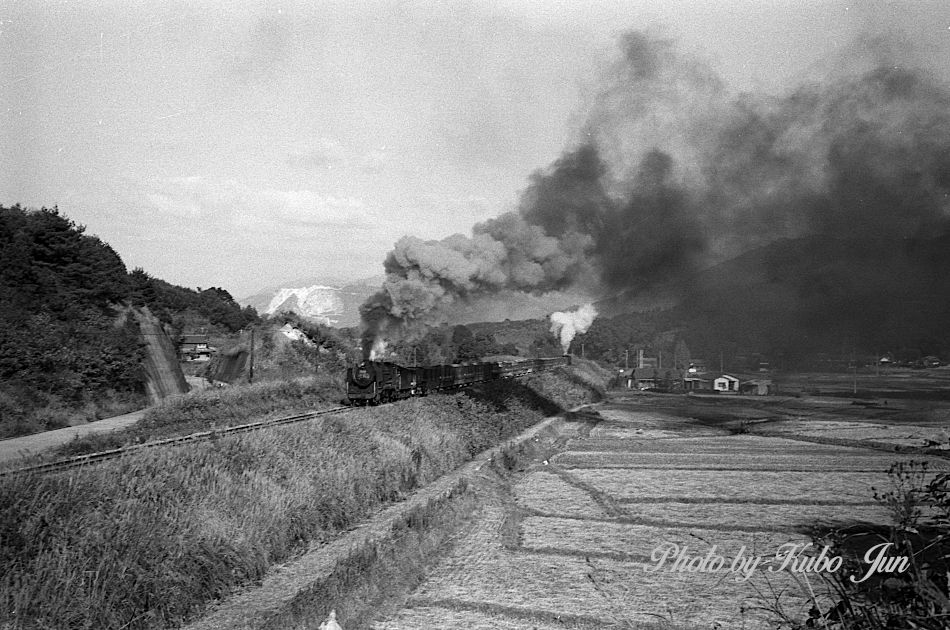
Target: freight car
point(375, 382)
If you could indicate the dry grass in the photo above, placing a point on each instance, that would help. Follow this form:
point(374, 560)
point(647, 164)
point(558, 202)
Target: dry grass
point(739, 516)
point(761, 486)
point(56, 413)
point(481, 573)
point(709, 461)
point(210, 408)
point(146, 541)
point(625, 540)
point(449, 619)
point(550, 494)
point(733, 444)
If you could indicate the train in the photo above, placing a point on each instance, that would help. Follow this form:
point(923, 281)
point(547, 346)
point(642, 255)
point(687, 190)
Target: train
point(376, 382)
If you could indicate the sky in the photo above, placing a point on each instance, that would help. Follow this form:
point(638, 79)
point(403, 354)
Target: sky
point(247, 144)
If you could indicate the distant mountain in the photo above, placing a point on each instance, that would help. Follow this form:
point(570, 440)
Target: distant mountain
point(328, 301)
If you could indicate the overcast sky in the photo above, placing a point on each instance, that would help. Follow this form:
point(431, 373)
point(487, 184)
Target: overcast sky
point(243, 145)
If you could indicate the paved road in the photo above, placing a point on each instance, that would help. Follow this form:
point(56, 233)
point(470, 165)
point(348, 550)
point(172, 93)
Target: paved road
point(570, 544)
point(17, 448)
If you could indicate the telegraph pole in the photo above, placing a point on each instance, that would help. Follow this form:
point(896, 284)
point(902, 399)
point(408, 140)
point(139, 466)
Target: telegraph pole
point(250, 372)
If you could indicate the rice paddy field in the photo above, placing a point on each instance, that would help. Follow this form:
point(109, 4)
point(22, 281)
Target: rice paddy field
point(576, 540)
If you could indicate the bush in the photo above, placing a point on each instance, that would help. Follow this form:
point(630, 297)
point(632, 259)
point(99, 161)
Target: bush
point(917, 598)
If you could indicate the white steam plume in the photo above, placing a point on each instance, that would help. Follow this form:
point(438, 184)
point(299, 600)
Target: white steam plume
point(378, 351)
point(568, 324)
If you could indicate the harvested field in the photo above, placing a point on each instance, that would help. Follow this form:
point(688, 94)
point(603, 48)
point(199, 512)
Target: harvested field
point(759, 486)
point(627, 541)
point(734, 444)
point(902, 434)
point(710, 461)
point(734, 516)
point(572, 544)
point(451, 619)
point(482, 574)
point(548, 493)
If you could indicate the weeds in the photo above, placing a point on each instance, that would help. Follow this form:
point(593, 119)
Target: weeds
point(742, 427)
point(211, 408)
point(148, 540)
point(895, 599)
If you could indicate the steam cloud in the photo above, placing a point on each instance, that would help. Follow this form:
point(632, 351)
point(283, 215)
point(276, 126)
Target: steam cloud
point(675, 173)
point(568, 324)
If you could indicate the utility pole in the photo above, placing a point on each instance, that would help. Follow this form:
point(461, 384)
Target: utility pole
point(626, 359)
point(854, 373)
point(250, 372)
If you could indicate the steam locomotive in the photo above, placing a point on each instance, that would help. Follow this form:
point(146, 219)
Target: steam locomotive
point(375, 382)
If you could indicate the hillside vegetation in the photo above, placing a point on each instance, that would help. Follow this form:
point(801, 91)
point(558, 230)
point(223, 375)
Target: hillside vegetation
point(69, 346)
point(149, 540)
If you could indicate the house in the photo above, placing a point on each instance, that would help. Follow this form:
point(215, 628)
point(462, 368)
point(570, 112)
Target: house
point(697, 382)
point(726, 384)
point(655, 379)
point(756, 386)
point(194, 348)
point(696, 366)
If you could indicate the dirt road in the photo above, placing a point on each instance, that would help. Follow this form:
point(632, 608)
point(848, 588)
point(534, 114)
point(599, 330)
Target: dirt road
point(17, 448)
point(575, 542)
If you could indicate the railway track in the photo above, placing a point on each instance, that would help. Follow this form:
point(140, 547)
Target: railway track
point(94, 458)
point(102, 456)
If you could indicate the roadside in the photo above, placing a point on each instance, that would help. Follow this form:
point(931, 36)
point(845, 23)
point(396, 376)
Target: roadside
point(26, 446)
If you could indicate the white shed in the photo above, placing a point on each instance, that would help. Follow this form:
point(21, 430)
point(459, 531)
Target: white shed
point(726, 383)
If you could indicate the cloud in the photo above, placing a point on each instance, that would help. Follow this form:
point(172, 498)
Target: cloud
point(323, 154)
point(229, 202)
point(328, 154)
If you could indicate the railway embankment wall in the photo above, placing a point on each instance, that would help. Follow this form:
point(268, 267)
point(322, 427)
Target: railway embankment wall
point(163, 374)
point(153, 539)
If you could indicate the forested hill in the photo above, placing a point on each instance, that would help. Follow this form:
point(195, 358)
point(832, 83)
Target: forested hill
point(67, 344)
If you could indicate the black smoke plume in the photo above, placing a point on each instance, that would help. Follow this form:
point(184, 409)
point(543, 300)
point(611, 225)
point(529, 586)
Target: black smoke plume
point(674, 174)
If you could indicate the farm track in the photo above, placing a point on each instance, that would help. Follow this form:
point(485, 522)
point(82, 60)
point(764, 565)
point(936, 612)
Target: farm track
point(102, 456)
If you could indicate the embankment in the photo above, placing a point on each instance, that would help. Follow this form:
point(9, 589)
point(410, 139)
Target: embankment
point(150, 540)
point(163, 374)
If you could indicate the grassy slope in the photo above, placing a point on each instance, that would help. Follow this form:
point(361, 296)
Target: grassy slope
point(147, 541)
point(214, 408)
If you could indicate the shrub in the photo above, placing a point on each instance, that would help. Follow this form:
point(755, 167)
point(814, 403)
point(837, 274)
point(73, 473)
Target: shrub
point(917, 598)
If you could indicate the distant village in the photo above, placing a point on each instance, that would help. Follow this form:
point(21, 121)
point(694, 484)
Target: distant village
point(649, 375)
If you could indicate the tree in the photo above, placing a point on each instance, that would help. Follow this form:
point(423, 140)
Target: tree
point(681, 355)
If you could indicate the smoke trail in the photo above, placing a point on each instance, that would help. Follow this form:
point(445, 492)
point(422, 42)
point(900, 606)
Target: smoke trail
point(567, 325)
point(675, 173)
